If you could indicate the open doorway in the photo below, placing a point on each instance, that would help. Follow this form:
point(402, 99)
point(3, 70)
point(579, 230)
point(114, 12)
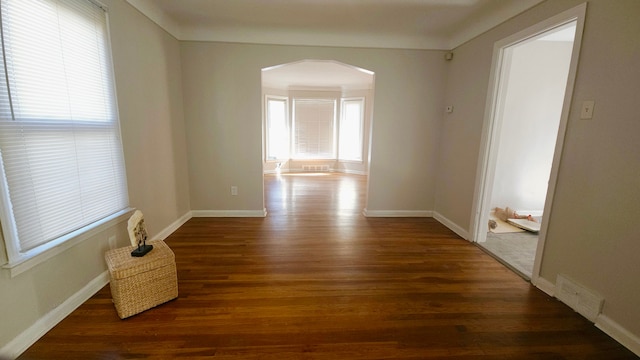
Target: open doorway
point(532, 85)
point(316, 119)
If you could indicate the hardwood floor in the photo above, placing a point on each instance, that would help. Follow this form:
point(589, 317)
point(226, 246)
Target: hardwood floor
point(315, 279)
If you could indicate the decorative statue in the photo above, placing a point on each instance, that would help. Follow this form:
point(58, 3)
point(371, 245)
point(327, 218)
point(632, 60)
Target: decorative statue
point(138, 234)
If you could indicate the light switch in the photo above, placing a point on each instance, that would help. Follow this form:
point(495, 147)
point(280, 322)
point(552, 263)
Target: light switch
point(587, 109)
point(449, 108)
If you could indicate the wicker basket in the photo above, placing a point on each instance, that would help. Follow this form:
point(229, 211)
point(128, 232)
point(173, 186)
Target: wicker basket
point(140, 283)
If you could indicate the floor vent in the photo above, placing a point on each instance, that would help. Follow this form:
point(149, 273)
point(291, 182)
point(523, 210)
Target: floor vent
point(582, 300)
point(315, 167)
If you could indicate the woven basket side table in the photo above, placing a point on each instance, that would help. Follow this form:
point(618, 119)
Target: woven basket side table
point(140, 283)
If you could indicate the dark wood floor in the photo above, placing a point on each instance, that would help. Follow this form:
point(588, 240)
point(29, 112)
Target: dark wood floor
point(317, 280)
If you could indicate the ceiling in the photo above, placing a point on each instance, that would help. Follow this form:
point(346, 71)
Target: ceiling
point(318, 74)
point(404, 24)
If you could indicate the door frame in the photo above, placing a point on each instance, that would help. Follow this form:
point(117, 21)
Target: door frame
point(490, 129)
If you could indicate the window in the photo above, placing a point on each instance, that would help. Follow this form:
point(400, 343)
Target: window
point(62, 161)
point(351, 123)
point(314, 128)
point(277, 128)
point(313, 133)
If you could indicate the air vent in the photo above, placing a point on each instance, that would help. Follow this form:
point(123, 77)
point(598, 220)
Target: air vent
point(582, 300)
point(315, 168)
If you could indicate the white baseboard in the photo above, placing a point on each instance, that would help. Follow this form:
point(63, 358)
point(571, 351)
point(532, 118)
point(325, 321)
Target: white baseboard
point(338, 171)
point(452, 226)
point(619, 333)
point(545, 285)
point(397, 213)
point(28, 337)
point(602, 322)
point(352, 172)
point(173, 226)
point(229, 213)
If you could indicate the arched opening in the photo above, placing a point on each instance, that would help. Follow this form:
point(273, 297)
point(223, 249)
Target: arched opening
point(316, 118)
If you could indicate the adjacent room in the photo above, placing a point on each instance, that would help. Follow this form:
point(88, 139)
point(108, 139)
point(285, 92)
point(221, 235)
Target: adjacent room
point(533, 77)
point(319, 173)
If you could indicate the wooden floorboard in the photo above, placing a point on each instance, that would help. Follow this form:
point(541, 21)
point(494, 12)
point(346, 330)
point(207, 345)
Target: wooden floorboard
point(315, 279)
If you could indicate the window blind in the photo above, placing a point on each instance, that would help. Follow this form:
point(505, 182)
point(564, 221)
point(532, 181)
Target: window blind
point(62, 160)
point(314, 128)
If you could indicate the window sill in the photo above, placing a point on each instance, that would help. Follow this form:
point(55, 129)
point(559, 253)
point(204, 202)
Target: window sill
point(46, 251)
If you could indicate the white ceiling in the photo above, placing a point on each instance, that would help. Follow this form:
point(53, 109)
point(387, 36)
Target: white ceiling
point(406, 24)
point(305, 74)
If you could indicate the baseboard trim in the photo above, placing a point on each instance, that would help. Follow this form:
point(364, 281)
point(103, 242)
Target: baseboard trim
point(545, 285)
point(229, 213)
point(397, 213)
point(351, 172)
point(164, 233)
point(28, 337)
point(603, 322)
point(452, 225)
point(618, 333)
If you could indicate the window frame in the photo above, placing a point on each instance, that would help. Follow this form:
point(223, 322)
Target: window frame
point(17, 260)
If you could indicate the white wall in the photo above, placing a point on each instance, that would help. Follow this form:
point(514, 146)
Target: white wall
point(147, 71)
point(223, 114)
point(533, 100)
point(592, 236)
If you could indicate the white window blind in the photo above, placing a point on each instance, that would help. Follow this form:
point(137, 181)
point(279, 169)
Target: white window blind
point(314, 128)
point(351, 124)
point(63, 167)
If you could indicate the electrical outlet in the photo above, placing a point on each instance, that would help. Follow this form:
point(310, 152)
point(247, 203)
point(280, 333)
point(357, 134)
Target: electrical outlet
point(234, 190)
point(587, 109)
point(449, 108)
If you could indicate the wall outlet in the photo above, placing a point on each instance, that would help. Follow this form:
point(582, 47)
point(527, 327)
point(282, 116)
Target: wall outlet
point(234, 190)
point(587, 110)
point(449, 108)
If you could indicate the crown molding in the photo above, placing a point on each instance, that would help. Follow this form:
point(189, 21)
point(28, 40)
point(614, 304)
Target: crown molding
point(255, 35)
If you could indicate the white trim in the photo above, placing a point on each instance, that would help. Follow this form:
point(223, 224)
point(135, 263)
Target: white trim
point(261, 35)
point(579, 13)
point(543, 284)
point(602, 322)
point(164, 233)
point(229, 213)
point(460, 231)
point(46, 251)
point(22, 342)
point(487, 154)
point(489, 20)
point(349, 171)
point(618, 333)
point(158, 16)
point(397, 213)
point(294, 171)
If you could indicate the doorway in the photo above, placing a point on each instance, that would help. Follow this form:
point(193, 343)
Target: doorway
point(527, 110)
point(317, 118)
